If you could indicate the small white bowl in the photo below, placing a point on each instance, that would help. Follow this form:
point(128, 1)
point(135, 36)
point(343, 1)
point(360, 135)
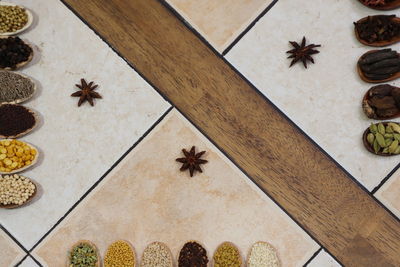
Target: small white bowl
point(27, 25)
point(34, 161)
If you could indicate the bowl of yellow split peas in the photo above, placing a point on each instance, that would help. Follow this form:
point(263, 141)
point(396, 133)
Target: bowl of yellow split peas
point(16, 156)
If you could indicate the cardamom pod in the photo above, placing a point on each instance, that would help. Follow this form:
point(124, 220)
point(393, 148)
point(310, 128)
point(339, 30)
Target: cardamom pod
point(388, 135)
point(397, 151)
point(373, 128)
point(389, 129)
point(376, 146)
point(371, 138)
point(395, 127)
point(381, 141)
point(388, 142)
point(396, 136)
point(393, 146)
point(385, 150)
point(381, 129)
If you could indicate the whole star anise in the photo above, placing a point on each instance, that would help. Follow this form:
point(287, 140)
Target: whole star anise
point(302, 52)
point(192, 161)
point(86, 93)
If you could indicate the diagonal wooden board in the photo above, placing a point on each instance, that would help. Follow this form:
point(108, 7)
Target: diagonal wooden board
point(279, 158)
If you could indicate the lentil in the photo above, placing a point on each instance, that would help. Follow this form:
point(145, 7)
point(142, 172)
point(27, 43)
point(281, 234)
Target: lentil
point(15, 154)
point(83, 255)
point(192, 255)
point(15, 189)
point(227, 255)
point(156, 255)
point(263, 254)
point(15, 119)
point(12, 18)
point(119, 254)
point(14, 87)
point(13, 51)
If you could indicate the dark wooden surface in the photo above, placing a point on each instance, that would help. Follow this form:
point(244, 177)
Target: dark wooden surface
point(280, 159)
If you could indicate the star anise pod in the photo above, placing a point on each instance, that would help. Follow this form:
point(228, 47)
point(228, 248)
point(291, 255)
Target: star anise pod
point(86, 93)
point(192, 161)
point(302, 52)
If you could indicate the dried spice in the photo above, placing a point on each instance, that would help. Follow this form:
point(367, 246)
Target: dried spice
point(192, 161)
point(86, 93)
point(156, 255)
point(13, 51)
point(380, 64)
point(15, 154)
point(383, 138)
point(262, 254)
point(192, 255)
point(302, 52)
point(377, 3)
point(83, 255)
point(119, 254)
point(12, 18)
point(15, 87)
point(15, 189)
point(15, 119)
point(382, 102)
point(378, 28)
point(227, 255)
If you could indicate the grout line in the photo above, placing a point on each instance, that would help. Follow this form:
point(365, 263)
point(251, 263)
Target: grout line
point(26, 256)
point(251, 25)
point(259, 92)
point(101, 179)
point(312, 257)
point(13, 238)
point(385, 179)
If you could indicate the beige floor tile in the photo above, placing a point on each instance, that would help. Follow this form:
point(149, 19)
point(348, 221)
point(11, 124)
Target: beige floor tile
point(389, 194)
point(219, 22)
point(145, 198)
point(10, 252)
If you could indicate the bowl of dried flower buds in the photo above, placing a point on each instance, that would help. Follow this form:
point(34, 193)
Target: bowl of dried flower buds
point(14, 19)
point(14, 53)
point(381, 4)
point(378, 31)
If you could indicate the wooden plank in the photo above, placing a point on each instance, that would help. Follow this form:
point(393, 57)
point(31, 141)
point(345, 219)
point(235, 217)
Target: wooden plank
point(280, 159)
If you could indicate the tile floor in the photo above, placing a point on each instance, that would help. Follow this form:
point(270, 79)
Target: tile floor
point(151, 192)
point(147, 199)
point(220, 22)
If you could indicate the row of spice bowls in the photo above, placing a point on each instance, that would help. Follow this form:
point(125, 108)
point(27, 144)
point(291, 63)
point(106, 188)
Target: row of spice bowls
point(381, 102)
point(15, 120)
point(192, 253)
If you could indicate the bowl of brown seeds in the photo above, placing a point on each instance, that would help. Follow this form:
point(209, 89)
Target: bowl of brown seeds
point(16, 191)
point(227, 255)
point(14, 53)
point(14, 19)
point(16, 121)
point(156, 254)
point(192, 254)
point(15, 88)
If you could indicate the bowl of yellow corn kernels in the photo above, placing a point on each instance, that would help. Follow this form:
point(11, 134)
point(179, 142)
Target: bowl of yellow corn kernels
point(16, 156)
point(14, 18)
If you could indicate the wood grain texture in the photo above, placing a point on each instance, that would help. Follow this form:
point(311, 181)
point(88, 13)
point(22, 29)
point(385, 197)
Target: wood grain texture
point(280, 159)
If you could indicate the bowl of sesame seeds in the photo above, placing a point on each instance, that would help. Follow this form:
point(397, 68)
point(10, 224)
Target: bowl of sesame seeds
point(14, 19)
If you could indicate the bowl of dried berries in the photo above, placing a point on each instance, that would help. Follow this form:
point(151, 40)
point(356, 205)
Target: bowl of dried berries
point(14, 53)
point(120, 253)
point(227, 255)
point(16, 121)
point(83, 254)
point(14, 18)
point(378, 31)
point(156, 254)
point(16, 156)
point(381, 4)
point(262, 254)
point(378, 66)
point(192, 254)
point(16, 191)
point(382, 102)
point(15, 88)
point(383, 139)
